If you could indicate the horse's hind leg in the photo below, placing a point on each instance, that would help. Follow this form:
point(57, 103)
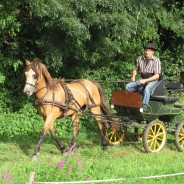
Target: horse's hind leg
point(96, 112)
point(61, 146)
point(75, 121)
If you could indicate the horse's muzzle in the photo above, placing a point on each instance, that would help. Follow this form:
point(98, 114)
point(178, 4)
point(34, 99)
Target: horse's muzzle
point(28, 91)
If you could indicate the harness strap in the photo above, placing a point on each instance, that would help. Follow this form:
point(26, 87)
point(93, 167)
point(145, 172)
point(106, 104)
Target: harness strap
point(36, 91)
point(37, 102)
point(55, 103)
point(88, 97)
point(68, 98)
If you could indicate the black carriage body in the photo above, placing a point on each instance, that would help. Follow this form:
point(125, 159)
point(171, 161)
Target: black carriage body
point(162, 114)
point(128, 105)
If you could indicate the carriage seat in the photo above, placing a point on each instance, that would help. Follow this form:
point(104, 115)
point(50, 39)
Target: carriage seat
point(158, 93)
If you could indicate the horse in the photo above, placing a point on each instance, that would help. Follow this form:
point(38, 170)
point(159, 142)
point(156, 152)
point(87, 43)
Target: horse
point(56, 99)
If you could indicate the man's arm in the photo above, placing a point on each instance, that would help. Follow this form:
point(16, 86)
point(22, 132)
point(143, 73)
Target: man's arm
point(134, 73)
point(154, 77)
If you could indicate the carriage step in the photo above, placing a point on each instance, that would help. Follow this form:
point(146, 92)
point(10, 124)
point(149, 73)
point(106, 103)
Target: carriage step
point(179, 105)
point(171, 110)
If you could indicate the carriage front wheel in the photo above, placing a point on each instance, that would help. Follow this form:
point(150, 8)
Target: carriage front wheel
point(154, 136)
point(115, 135)
point(179, 136)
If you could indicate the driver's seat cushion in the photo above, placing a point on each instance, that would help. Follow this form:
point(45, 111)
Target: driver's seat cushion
point(158, 93)
point(159, 89)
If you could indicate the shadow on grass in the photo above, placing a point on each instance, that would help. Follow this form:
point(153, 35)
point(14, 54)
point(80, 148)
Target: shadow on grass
point(88, 137)
point(27, 143)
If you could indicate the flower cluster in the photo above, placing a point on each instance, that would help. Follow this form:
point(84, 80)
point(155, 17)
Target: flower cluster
point(77, 162)
point(6, 178)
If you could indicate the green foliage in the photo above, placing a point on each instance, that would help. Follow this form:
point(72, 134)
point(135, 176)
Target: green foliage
point(102, 32)
point(24, 122)
point(9, 26)
point(92, 39)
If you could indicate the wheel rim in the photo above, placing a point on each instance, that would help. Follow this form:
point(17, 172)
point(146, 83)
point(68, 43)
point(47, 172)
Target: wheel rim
point(181, 137)
point(116, 137)
point(156, 137)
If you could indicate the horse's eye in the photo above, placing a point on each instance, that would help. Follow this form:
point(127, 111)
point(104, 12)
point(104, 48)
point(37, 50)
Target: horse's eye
point(35, 76)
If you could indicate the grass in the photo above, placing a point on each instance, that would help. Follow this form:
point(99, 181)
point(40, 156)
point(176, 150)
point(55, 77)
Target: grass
point(87, 162)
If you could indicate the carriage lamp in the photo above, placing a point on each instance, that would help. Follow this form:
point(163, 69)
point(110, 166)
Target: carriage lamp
point(141, 110)
point(112, 106)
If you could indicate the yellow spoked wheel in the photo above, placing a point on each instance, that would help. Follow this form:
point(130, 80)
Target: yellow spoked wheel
point(115, 133)
point(154, 136)
point(179, 136)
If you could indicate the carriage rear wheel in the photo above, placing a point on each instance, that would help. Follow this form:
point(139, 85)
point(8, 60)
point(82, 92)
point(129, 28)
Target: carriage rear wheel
point(115, 135)
point(179, 136)
point(154, 136)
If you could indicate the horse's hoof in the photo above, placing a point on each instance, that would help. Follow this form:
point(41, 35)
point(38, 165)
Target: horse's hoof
point(106, 147)
point(64, 151)
point(34, 157)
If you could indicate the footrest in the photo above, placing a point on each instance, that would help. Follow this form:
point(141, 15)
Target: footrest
point(165, 98)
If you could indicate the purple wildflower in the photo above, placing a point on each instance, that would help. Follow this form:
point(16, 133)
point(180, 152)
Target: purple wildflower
point(70, 167)
point(79, 164)
point(61, 164)
point(69, 152)
point(79, 150)
point(86, 177)
point(79, 170)
point(5, 175)
point(9, 179)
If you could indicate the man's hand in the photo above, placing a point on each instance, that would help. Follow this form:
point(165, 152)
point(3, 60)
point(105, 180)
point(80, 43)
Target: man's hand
point(133, 78)
point(143, 81)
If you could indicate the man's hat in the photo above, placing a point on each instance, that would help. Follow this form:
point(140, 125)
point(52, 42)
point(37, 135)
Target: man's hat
point(150, 46)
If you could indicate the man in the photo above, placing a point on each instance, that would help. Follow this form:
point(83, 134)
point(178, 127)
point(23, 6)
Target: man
point(150, 68)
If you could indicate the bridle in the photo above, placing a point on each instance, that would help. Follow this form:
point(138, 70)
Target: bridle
point(34, 85)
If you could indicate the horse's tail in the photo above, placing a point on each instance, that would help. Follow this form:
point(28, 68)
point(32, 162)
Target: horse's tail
point(105, 109)
point(103, 104)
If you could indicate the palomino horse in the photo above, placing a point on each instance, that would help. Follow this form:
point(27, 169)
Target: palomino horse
point(55, 99)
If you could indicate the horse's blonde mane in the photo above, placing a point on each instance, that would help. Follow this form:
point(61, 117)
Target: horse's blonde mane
point(40, 69)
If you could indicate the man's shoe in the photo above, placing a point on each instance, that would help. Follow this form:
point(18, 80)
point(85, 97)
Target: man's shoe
point(144, 108)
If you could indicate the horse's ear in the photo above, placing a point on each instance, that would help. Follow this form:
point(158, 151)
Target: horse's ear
point(27, 62)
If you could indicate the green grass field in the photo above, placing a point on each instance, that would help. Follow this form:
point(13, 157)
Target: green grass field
point(88, 161)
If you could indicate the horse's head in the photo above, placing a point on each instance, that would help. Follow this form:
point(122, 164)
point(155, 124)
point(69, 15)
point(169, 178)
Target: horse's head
point(37, 77)
point(32, 77)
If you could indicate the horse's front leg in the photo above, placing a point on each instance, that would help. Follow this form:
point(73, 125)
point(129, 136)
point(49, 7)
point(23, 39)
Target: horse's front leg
point(37, 149)
point(49, 121)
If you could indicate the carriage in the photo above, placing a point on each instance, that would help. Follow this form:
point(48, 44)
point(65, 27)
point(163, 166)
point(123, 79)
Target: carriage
point(163, 116)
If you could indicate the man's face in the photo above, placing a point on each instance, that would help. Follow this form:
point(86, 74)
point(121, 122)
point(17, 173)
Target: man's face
point(149, 53)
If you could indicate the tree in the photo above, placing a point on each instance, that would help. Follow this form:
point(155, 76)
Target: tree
point(96, 39)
